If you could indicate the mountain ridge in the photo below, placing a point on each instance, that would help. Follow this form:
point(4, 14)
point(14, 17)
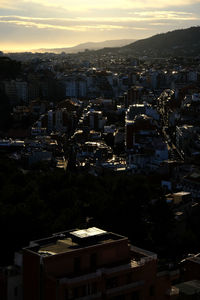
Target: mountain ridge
point(179, 42)
point(89, 46)
point(176, 42)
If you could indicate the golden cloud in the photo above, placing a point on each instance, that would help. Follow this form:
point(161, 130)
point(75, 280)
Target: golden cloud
point(69, 23)
point(63, 27)
point(80, 5)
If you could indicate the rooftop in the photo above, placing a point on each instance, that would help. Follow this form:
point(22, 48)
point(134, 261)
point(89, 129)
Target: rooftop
point(182, 193)
point(93, 231)
point(189, 288)
point(72, 240)
point(195, 258)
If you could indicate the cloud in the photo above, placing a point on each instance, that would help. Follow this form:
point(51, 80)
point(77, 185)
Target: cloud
point(41, 25)
point(159, 3)
point(82, 6)
point(11, 4)
point(82, 23)
point(34, 22)
point(78, 21)
point(159, 24)
point(164, 15)
point(6, 4)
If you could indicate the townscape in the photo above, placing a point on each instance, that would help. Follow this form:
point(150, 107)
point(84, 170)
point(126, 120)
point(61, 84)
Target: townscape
point(108, 140)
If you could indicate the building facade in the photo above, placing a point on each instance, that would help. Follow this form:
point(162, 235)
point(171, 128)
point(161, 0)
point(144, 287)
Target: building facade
point(91, 264)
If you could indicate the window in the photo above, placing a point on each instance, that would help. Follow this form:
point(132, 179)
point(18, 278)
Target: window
point(83, 290)
point(121, 297)
point(68, 294)
point(71, 293)
point(93, 260)
point(94, 288)
point(16, 291)
point(152, 291)
point(75, 292)
point(135, 296)
point(129, 278)
point(111, 283)
point(77, 264)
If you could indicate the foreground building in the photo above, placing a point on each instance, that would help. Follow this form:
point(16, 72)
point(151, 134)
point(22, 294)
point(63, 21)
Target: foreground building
point(91, 264)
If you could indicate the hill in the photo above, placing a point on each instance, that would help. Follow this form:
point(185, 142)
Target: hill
point(89, 46)
point(183, 42)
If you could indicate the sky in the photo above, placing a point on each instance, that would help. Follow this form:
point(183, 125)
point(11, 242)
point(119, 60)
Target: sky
point(35, 24)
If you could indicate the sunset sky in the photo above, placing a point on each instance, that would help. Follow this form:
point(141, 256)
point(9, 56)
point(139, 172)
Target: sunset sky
point(32, 24)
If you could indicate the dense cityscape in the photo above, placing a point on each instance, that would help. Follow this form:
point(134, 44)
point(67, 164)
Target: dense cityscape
point(102, 147)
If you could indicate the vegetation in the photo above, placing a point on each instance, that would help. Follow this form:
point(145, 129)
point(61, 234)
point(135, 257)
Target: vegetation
point(9, 69)
point(183, 42)
point(5, 116)
point(36, 204)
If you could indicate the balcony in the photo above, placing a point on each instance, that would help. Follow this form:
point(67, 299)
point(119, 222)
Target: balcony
point(125, 267)
point(173, 291)
point(125, 288)
point(82, 278)
point(91, 297)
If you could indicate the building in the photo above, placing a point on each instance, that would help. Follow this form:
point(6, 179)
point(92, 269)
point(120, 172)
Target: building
point(75, 87)
point(189, 290)
point(190, 267)
point(91, 264)
point(179, 198)
point(141, 125)
point(11, 91)
point(22, 91)
point(184, 136)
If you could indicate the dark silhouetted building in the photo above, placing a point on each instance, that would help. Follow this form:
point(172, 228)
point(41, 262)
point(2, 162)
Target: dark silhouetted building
point(91, 264)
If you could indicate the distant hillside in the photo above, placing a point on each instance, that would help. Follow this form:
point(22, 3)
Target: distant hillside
point(90, 46)
point(184, 42)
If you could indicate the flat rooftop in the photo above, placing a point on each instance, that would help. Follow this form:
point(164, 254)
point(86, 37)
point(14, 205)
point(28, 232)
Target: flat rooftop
point(72, 240)
point(182, 193)
point(189, 288)
point(84, 233)
point(195, 258)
